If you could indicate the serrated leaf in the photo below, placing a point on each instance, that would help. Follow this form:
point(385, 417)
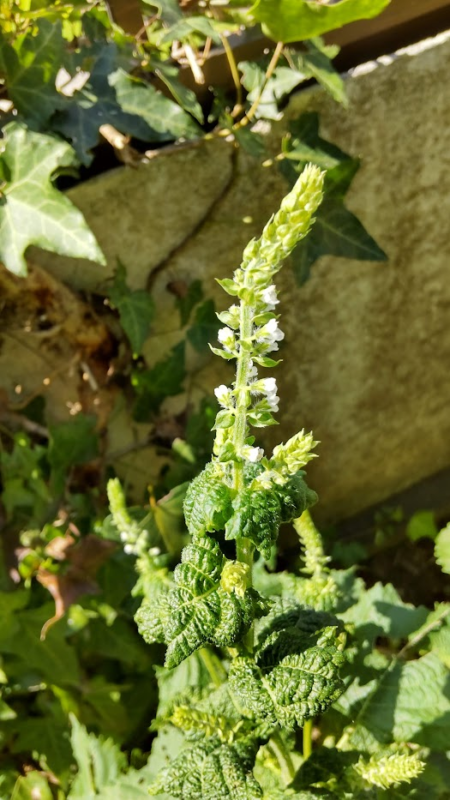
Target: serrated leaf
point(197, 609)
point(163, 380)
point(136, 309)
point(296, 20)
point(207, 505)
point(410, 704)
point(30, 65)
point(99, 761)
point(211, 770)
point(32, 211)
point(161, 114)
point(295, 674)
point(257, 517)
point(442, 549)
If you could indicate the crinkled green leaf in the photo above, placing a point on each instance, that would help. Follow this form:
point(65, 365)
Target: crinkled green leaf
point(30, 65)
point(136, 309)
point(207, 505)
point(296, 20)
point(295, 674)
point(197, 609)
point(211, 771)
point(161, 114)
point(257, 516)
point(32, 211)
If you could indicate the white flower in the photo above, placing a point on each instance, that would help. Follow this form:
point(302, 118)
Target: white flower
point(252, 453)
point(252, 370)
point(269, 297)
point(227, 338)
point(223, 394)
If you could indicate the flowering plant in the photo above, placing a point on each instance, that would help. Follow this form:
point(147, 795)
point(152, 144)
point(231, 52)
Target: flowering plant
point(283, 649)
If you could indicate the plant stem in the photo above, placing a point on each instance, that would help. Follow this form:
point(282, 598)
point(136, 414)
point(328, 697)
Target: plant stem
point(234, 74)
point(269, 72)
point(307, 739)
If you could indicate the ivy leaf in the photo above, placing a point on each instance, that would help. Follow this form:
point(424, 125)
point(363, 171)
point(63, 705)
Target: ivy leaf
point(210, 770)
point(198, 608)
point(296, 20)
point(95, 105)
point(204, 327)
point(136, 309)
point(280, 84)
point(163, 380)
point(30, 66)
point(315, 62)
point(161, 114)
point(32, 211)
point(336, 231)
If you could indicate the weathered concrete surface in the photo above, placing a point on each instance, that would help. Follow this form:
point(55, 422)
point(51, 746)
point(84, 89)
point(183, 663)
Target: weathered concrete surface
point(367, 354)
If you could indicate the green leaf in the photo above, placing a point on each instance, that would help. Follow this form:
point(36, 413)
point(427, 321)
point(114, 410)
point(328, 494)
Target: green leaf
point(32, 211)
point(187, 299)
point(46, 737)
point(279, 85)
point(410, 704)
point(211, 770)
point(54, 660)
point(30, 65)
point(315, 62)
point(136, 309)
point(95, 105)
point(336, 230)
point(99, 761)
point(442, 549)
point(185, 97)
point(422, 525)
point(296, 20)
point(163, 380)
point(204, 327)
point(198, 608)
point(185, 27)
point(207, 505)
point(161, 114)
point(34, 785)
point(295, 674)
point(257, 516)
point(71, 443)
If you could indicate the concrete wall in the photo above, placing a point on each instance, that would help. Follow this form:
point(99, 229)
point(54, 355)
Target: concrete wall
point(367, 354)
